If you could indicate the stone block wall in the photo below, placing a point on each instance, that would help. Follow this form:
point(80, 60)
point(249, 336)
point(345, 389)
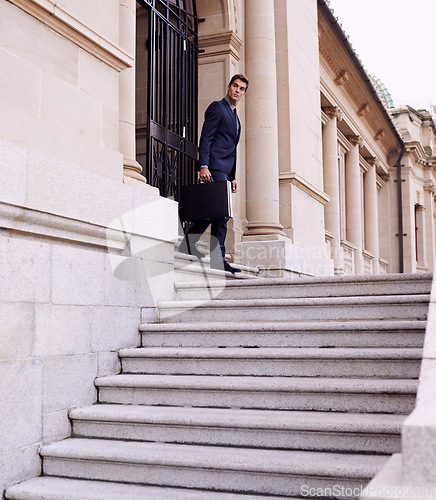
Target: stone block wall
point(55, 96)
point(69, 239)
point(299, 119)
point(304, 91)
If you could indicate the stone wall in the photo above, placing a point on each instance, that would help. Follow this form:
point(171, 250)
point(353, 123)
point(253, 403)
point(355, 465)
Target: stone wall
point(55, 96)
point(68, 301)
point(300, 157)
point(83, 256)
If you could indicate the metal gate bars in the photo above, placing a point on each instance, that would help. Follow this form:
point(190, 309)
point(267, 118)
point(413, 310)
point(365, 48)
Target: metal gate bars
point(167, 121)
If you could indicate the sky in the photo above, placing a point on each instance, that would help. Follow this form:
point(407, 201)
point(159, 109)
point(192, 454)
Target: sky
point(396, 42)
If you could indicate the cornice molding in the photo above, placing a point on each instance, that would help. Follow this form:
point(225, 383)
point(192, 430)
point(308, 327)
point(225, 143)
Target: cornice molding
point(340, 76)
point(343, 141)
point(298, 181)
point(324, 117)
point(419, 155)
point(346, 119)
point(329, 236)
point(380, 134)
point(411, 171)
point(364, 110)
point(368, 255)
point(430, 186)
point(348, 245)
point(67, 26)
point(383, 178)
point(345, 79)
point(328, 62)
point(224, 43)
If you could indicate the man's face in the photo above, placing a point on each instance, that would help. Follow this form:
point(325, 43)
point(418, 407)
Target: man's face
point(236, 91)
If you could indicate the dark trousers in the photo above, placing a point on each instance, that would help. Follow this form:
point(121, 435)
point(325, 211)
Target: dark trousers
point(217, 235)
point(218, 230)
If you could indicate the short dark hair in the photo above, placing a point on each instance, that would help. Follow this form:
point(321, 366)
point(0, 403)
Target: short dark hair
point(239, 77)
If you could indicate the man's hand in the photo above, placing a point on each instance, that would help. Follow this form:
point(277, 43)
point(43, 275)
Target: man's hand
point(205, 175)
point(234, 186)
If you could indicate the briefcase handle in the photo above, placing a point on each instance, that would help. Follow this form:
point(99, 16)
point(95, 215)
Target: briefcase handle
point(211, 180)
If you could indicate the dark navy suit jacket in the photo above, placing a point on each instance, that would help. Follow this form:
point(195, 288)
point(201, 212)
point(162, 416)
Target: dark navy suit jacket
point(219, 138)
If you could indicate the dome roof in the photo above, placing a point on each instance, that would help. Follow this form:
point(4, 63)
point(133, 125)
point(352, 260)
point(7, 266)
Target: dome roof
point(382, 92)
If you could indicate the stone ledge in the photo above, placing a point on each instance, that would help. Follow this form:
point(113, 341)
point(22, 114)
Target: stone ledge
point(30, 222)
point(301, 183)
point(388, 485)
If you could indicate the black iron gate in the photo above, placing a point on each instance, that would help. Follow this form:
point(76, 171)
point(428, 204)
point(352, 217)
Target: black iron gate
point(170, 113)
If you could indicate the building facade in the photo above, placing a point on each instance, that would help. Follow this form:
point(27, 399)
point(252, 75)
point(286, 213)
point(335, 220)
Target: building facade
point(418, 131)
point(100, 108)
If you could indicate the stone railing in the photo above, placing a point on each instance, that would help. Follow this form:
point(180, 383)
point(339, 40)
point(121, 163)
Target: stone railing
point(412, 474)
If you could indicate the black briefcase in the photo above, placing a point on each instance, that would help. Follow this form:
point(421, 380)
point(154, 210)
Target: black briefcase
point(207, 201)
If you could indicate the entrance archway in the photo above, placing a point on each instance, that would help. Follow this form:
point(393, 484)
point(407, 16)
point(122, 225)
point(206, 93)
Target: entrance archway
point(166, 92)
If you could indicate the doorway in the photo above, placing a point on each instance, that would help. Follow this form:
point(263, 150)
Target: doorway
point(166, 93)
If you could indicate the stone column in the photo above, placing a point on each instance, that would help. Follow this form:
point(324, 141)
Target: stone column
point(132, 169)
point(353, 199)
point(429, 203)
point(261, 124)
point(371, 214)
point(331, 184)
point(420, 236)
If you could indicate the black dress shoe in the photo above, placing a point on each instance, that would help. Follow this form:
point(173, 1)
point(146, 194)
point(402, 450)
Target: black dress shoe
point(224, 266)
point(192, 250)
point(231, 269)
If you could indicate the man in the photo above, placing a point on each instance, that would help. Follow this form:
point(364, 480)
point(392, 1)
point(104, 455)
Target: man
point(217, 161)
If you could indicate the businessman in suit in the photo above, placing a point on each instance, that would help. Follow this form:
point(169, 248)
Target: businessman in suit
point(217, 161)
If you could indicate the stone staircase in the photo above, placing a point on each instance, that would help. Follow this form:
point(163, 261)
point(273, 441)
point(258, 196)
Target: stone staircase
point(273, 389)
point(192, 270)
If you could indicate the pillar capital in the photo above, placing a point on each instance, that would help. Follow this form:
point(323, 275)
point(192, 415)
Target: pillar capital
point(356, 140)
point(373, 161)
point(333, 112)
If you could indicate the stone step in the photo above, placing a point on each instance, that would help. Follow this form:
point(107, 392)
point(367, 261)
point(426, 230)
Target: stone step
point(390, 307)
point(291, 393)
point(197, 271)
point(359, 334)
point(279, 362)
point(61, 488)
point(242, 470)
point(310, 287)
point(305, 430)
